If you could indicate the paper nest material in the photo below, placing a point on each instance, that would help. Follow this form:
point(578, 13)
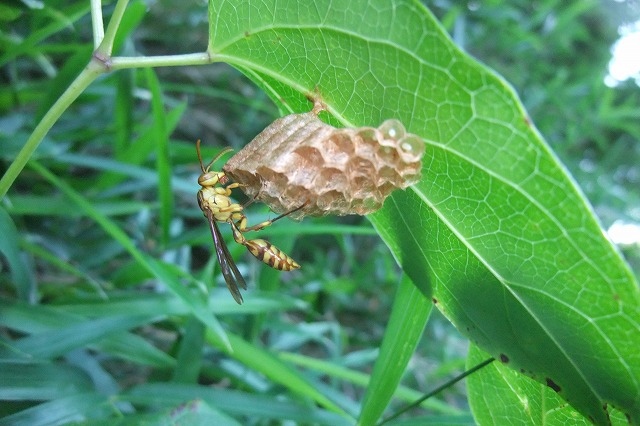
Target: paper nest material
point(299, 159)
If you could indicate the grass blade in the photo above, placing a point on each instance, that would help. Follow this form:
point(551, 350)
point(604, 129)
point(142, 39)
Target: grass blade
point(163, 162)
point(196, 304)
point(409, 315)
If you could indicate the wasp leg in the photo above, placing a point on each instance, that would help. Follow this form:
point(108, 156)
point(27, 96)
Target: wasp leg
point(251, 201)
point(242, 223)
point(235, 185)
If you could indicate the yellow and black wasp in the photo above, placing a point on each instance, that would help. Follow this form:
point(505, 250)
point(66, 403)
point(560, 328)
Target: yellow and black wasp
point(216, 205)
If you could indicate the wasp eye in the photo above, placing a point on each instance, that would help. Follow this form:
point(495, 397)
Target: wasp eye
point(210, 179)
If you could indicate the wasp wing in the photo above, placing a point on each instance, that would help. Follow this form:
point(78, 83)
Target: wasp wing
point(230, 272)
point(230, 262)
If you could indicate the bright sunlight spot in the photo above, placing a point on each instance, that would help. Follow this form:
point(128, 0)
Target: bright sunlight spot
point(624, 233)
point(625, 63)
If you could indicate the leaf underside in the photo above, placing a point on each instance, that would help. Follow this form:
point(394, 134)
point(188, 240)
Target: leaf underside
point(496, 232)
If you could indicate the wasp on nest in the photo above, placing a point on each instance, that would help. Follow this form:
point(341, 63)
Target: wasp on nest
point(300, 166)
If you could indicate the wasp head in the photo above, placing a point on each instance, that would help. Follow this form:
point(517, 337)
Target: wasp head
point(212, 178)
point(209, 178)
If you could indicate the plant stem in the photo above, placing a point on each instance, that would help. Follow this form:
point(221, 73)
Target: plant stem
point(438, 389)
point(100, 63)
point(89, 74)
point(106, 46)
point(96, 23)
point(202, 58)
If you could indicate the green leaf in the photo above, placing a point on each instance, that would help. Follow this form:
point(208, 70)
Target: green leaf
point(273, 368)
point(65, 76)
point(9, 12)
point(51, 344)
point(190, 413)
point(38, 319)
point(123, 111)
point(496, 232)
point(159, 270)
point(163, 163)
point(40, 205)
point(195, 413)
point(499, 395)
point(234, 402)
point(28, 46)
point(402, 393)
point(133, 15)
point(146, 176)
point(32, 380)
point(62, 411)
point(189, 358)
point(163, 304)
point(138, 150)
point(10, 249)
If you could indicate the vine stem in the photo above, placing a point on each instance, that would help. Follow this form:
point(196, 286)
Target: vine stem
point(105, 49)
point(101, 62)
point(89, 74)
point(96, 23)
point(122, 62)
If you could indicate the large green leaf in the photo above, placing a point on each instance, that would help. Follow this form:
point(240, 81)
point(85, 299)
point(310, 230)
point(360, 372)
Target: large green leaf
point(496, 232)
point(499, 395)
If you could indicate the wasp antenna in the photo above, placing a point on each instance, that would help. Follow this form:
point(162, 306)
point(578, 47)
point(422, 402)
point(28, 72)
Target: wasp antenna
point(216, 158)
point(220, 154)
point(199, 155)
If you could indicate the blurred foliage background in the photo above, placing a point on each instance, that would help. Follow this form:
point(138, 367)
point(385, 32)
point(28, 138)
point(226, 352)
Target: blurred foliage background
point(555, 53)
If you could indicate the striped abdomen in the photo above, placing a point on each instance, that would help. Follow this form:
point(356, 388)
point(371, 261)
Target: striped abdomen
point(271, 255)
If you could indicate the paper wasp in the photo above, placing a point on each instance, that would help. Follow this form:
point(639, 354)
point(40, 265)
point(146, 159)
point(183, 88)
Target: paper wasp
point(214, 201)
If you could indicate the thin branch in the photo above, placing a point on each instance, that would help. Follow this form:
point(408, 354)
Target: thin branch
point(160, 61)
point(436, 390)
point(105, 49)
point(88, 75)
point(97, 23)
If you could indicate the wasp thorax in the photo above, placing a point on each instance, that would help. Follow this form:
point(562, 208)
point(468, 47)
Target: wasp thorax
point(300, 160)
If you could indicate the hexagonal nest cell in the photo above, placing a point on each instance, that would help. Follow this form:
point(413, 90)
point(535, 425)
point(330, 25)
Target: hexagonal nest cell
point(299, 159)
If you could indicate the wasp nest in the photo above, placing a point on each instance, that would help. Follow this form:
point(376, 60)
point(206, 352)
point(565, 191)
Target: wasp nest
point(300, 160)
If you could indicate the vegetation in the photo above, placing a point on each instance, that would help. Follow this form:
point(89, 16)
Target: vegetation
point(113, 307)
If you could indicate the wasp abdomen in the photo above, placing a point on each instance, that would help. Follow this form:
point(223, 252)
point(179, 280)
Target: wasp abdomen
point(271, 255)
